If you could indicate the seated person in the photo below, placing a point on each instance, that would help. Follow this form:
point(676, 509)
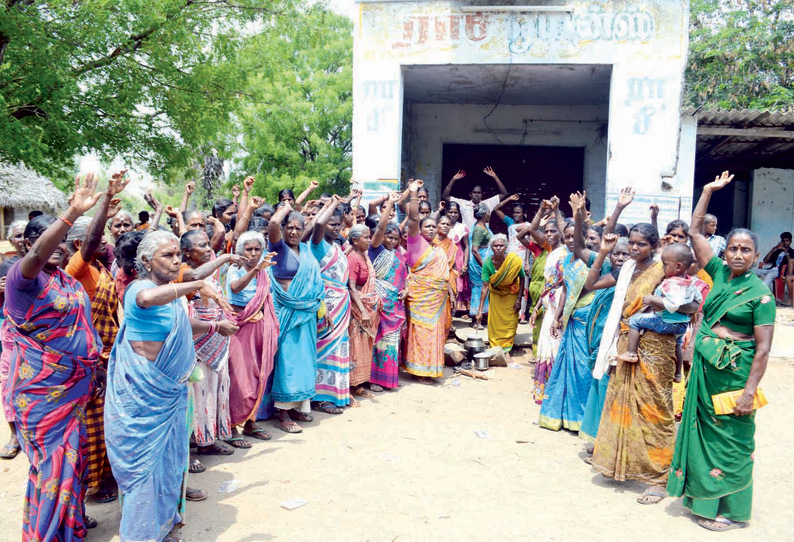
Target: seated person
point(776, 261)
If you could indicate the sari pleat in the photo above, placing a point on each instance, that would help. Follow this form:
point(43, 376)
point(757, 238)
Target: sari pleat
point(503, 289)
point(390, 276)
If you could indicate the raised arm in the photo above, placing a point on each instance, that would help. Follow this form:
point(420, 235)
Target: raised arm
point(83, 199)
point(534, 226)
point(235, 193)
point(322, 219)
point(404, 197)
point(274, 228)
point(373, 207)
point(502, 190)
point(218, 233)
point(498, 208)
point(176, 215)
point(594, 280)
point(305, 194)
point(413, 208)
point(189, 189)
point(655, 216)
point(625, 198)
point(157, 206)
point(93, 238)
point(700, 244)
point(380, 231)
point(448, 190)
point(578, 209)
point(442, 204)
point(555, 208)
point(248, 184)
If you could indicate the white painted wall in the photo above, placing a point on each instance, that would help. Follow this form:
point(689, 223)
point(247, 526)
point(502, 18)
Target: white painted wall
point(772, 205)
point(432, 125)
point(645, 42)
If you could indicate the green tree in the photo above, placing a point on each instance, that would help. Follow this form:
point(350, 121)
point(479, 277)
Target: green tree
point(151, 80)
point(295, 122)
point(741, 54)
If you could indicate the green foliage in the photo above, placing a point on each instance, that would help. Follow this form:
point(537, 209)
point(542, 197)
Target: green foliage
point(149, 80)
point(741, 54)
point(296, 120)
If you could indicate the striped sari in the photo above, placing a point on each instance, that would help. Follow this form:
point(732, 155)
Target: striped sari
point(333, 342)
point(428, 295)
point(390, 274)
point(362, 337)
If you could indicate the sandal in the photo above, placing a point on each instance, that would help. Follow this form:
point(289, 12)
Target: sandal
point(289, 427)
point(216, 448)
point(90, 523)
point(170, 538)
point(300, 416)
point(239, 442)
point(196, 467)
point(103, 496)
point(257, 433)
point(9, 451)
point(354, 403)
point(652, 495)
point(377, 388)
point(193, 494)
point(362, 392)
point(720, 524)
point(327, 407)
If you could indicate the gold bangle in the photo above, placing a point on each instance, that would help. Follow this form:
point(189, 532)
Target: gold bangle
point(176, 294)
point(698, 216)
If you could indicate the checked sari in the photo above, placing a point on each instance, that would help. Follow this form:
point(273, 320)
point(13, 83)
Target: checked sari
point(55, 353)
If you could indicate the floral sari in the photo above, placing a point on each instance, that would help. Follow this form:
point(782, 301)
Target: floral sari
point(637, 431)
point(390, 274)
point(333, 342)
point(548, 345)
point(52, 363)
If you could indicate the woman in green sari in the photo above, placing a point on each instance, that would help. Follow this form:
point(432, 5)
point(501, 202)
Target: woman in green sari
point(713, 462)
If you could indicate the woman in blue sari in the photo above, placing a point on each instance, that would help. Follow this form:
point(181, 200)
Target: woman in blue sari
point(479, 240)
point(298, 292)
point(569, 384)
point(146, 407)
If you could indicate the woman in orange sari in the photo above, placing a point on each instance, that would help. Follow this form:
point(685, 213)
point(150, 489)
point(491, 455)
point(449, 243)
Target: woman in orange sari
point(428, 295)
point(364, 315)
point(450, 248)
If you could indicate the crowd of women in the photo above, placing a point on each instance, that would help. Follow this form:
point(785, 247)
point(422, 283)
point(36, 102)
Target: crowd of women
point(120, 354)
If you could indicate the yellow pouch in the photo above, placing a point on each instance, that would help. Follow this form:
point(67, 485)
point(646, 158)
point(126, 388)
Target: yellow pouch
point(725, 403)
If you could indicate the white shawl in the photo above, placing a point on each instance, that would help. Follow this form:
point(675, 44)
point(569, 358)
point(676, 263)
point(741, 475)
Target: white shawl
point(607, 348)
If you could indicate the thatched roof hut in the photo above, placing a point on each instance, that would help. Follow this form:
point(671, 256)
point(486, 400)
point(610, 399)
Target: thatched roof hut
point(23, 190)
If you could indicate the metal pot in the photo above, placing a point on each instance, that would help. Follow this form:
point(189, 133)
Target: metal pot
point(473, 345)
point(482, 361)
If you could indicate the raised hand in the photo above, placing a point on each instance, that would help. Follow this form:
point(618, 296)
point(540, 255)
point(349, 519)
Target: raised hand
point(236, 191)
point(118, 182)
point(545, 206)
point(152, 201)
point(574, 200)
point(555, 203)
point(442, 205)
point(257, 202)
point(113, 208)
point(266, 262)
point(85, 195)
point(654, 211)
point(488, 170)
point(313, 185)
point(459, 175)
point(416, 185)
point(248, 184)
point(719, 182)
point(626, 196)
point(190, 188)
point(394, 196)
point(170, 211)
point(608, 242)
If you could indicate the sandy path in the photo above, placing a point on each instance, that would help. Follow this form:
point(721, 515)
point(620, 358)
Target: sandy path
point(407, 466)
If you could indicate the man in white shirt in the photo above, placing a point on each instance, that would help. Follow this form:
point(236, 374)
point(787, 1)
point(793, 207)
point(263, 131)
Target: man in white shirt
point(716, 242)
point(467, 206)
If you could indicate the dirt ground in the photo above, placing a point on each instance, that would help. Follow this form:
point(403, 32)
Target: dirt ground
point(409, 466)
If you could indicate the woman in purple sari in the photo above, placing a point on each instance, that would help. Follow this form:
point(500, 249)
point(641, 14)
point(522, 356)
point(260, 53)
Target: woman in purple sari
point(55, 353)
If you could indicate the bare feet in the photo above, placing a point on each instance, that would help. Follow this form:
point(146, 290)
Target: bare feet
point(629, 357)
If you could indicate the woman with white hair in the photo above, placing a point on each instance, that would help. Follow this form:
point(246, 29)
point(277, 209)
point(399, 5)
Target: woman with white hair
point(146, 407)
point(253, 347)
point(502, 279)
point(364, 311)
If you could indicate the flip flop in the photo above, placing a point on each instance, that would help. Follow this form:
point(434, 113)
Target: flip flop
point(103, 496)
point(193, 494)
point(652, 493)
point(239, 442)
point(327, 408)
point(376, 388)
point(290, 427)
point(196, 467)
point(362, 392)
point(90, 523)
point(216, 448)
point(300, 416)
point(727, 524)
point(10, 452)
point(257, 433)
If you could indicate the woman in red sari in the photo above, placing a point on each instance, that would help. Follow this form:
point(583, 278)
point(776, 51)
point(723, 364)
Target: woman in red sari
point(55, 354)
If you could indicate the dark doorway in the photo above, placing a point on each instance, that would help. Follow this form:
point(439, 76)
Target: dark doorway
point(535, 173)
